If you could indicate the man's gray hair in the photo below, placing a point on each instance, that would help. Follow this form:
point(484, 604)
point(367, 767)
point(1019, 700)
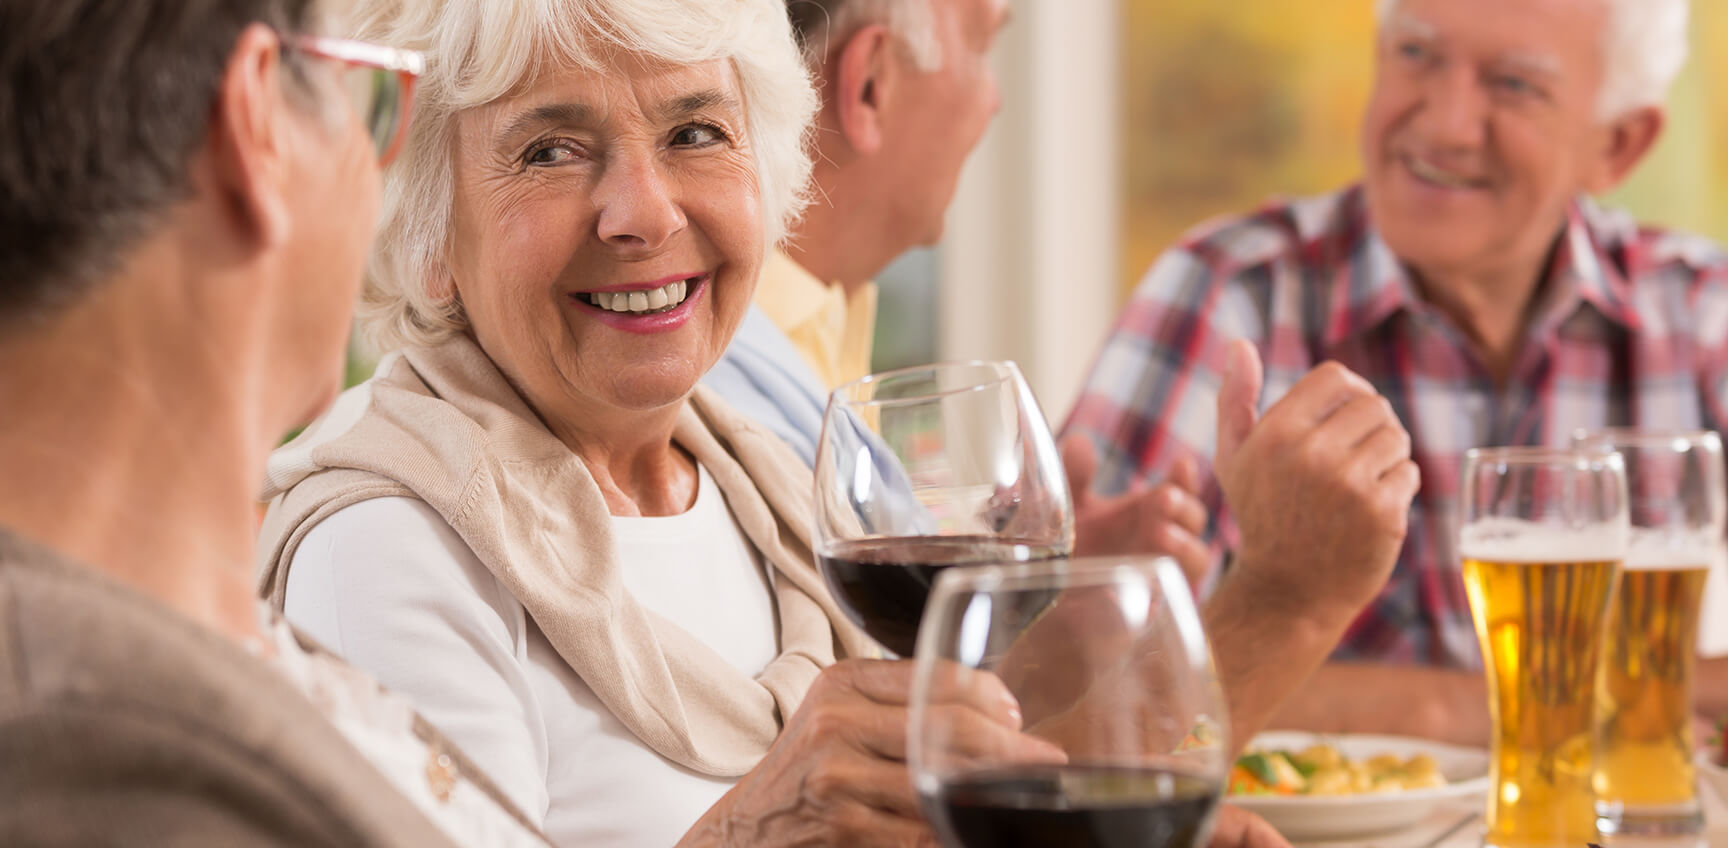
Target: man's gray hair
point(478, 51)
point(824, 25)
point(1643, 50)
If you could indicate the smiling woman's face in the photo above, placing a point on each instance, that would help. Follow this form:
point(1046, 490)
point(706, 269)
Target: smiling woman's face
point(607, 233)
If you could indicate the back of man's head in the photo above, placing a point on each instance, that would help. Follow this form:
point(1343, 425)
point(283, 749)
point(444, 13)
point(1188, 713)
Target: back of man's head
point(821, 26)
point(103, 105)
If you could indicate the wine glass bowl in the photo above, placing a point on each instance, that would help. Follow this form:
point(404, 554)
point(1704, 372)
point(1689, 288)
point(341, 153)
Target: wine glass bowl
point(925, 468)
point(1107, 661)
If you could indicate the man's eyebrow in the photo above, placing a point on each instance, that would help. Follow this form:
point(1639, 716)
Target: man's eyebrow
point(549, 114)
point(1409, 26)
point(700, 101)
point(1534, 62)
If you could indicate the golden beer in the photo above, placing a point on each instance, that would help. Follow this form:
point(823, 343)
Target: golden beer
point(1540, 625)
point(1644, 688)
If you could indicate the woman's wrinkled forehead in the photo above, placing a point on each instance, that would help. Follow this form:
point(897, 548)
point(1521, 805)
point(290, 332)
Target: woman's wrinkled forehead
point(662, 93)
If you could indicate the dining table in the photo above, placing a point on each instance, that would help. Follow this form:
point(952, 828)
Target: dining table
point(1460, 824)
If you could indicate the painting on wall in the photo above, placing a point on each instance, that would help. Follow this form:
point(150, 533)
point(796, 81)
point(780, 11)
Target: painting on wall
point(1229, 105)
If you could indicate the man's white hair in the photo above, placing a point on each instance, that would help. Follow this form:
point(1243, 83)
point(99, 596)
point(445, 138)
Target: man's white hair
point(834, 21)
point(1643, 50)
point(478, 51)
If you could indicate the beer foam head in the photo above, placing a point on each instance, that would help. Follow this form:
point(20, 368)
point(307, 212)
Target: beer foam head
point(1516, 540)
point(1663, 550)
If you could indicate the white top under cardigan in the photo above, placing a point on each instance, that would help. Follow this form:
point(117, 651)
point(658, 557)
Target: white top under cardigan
point(424, 611)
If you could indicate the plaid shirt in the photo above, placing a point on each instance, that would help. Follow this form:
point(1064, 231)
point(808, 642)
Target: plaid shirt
point(1632, 330)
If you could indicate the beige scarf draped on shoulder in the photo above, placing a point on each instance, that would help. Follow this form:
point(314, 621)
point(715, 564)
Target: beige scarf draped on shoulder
point(441, 424)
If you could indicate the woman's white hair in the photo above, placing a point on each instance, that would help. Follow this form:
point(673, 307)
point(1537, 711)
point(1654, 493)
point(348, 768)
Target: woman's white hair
point(1643, 50)
point(912, 21)
point(480, 50)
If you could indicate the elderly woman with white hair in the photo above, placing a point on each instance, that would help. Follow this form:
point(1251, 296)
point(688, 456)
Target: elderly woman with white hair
point(591, 574)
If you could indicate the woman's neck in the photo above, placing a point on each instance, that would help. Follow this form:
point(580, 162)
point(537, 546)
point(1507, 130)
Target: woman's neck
point(129, 456)
point(639, 470)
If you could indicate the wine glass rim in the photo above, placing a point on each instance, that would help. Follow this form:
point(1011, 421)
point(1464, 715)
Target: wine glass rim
point(1646, 437)
point(1579, 457)
point(1006, 371)
point(1070, 573)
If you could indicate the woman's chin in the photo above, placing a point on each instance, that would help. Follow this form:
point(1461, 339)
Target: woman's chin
point(650, 391)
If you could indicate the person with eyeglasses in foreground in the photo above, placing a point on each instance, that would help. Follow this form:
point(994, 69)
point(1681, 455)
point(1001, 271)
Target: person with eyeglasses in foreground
point(186, 202)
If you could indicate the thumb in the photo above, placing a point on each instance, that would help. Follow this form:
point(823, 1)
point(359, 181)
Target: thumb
point(1238, 399)
point(1185, 473)
point(1081, 462)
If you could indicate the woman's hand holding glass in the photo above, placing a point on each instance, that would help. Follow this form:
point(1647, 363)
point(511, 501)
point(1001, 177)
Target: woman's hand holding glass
point(837, 775)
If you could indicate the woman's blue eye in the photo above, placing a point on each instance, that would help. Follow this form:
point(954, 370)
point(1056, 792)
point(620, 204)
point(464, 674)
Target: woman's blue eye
point(1413, 51)
point(550, 154)
point(696, 135)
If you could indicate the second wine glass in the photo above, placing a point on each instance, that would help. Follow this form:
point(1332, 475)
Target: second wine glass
point(1108, 663)
point(926, 468)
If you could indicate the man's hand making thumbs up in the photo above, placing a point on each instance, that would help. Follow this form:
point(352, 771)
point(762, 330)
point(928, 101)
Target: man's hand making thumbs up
point(1320, 488)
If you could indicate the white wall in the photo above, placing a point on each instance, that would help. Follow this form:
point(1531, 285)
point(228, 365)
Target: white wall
point(1029, 262)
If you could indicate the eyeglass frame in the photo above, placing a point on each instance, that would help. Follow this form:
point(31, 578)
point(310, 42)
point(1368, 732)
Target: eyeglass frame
point(407, 65)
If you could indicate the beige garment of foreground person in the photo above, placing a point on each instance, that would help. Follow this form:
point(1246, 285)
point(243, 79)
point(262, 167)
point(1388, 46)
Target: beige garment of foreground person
point(179, 256)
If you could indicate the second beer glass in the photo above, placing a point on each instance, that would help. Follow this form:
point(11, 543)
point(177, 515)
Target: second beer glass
point(1543, 537)
point(1644, 778)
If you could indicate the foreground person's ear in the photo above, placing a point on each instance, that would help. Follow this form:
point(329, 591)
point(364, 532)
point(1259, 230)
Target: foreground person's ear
point(245, 153)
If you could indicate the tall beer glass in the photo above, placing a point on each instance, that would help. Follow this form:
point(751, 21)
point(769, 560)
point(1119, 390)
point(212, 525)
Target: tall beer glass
point(1644, 781)
point(1543, 537)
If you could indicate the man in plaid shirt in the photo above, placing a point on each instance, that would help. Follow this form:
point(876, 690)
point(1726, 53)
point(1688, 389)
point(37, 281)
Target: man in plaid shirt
point(1470, 279)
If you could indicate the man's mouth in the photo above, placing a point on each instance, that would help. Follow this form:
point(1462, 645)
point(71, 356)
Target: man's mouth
point(1430, 173)
point(642, 302)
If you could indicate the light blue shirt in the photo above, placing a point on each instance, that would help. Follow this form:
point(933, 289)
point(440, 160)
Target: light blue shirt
point(763, 376)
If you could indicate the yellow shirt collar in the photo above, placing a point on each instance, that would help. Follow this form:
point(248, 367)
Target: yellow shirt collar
point(833, 332)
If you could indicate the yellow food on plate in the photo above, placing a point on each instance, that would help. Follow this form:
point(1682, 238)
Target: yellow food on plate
point(1324, 770)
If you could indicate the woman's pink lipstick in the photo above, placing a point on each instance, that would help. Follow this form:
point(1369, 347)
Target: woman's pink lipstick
point(653, 322)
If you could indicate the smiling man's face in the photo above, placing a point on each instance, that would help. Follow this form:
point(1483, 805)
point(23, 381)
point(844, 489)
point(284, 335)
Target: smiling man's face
point(1483, 127)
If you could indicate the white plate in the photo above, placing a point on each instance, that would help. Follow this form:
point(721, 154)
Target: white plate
point(1325, 817)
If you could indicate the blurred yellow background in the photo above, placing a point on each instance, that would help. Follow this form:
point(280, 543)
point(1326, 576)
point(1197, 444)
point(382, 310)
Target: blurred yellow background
point(1230, 104)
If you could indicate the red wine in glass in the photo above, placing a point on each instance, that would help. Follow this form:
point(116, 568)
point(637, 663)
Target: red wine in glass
point(1076, 806)
point(883, 584)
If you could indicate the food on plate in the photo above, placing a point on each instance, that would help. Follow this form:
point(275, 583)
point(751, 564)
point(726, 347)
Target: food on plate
point(1323, 770)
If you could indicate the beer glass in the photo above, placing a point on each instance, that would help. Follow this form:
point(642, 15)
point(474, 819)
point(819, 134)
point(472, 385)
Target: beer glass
point(1543, 535)
point(1644, 780)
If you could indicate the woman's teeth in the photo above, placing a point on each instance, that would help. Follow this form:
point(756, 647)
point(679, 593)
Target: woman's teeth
point(642, 302)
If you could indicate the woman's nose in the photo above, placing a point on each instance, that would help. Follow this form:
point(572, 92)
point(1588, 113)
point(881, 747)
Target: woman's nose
point(638, 205)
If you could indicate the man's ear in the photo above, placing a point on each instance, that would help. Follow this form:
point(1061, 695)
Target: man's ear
point(248, 146)
point(863, 77)
point(1625, 143)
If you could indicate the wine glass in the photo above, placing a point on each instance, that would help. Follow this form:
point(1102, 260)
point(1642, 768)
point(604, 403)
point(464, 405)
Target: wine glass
point(1107, 660)
point(926, 468)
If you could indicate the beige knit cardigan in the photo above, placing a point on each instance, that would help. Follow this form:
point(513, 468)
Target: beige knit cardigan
point(441, 424)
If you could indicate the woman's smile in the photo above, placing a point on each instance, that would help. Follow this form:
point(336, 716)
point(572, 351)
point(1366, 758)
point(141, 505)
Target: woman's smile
point(654, 307)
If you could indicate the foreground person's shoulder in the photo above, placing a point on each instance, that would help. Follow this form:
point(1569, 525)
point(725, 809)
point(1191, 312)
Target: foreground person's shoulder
point(122, 723)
